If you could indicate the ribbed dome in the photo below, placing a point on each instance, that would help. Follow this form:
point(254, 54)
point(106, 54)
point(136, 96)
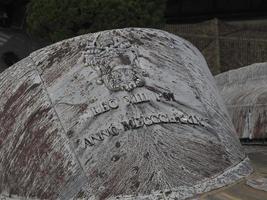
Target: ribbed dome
point(123, 113)
point(245, 93)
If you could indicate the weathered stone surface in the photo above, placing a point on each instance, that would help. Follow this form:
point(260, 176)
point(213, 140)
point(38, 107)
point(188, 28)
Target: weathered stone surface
point(258, 183)
point(130, 113)
point(244, 91)
point(35, 156)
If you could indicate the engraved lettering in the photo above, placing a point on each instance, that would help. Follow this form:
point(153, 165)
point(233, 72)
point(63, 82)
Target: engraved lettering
point(147, 121)
point(154, 119)
point(139, 122)
point(88, 142)
point(168, 96)
point(190, 120)
point(132, 86)
point(144, 97)
point(127, 100)
point(105, 132)
point(98, 137)
point(114, 131)
point(105, 107)
point(139, 97)
point(136, 98)
point(127, 125)
point(199, 121)
point(173, 120)
point(183, 119)
point(113, 103)
point(158, 96)
point(95, 111)
point(163, 118)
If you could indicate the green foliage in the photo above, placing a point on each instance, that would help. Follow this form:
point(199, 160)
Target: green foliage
point(60, 19)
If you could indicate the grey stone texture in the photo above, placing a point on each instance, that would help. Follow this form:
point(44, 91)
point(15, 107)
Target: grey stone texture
point(244, 91)
point(127, 114)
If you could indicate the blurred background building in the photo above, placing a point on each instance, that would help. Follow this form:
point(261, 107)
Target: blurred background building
point(230, 34)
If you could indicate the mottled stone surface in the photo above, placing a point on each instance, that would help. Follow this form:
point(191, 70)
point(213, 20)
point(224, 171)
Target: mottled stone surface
point(130, 113)
point(244, 91)
point(259, 184)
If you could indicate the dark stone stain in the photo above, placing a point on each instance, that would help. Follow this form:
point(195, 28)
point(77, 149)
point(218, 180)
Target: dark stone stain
point(151, 35)
point(70, 133)
point(169, 96)
point(135, 169)
point(81, 47)
point(117, 144)
point(32, 150)
point(19, 92)
point(135, 185)
point(33, 86)
point(168, 193)
point(83, 107)
point(259, 129)
point(146, 38)
point(146, 155)
point(109, 188)
point(134, 40)
point(50, 117)
point(151, 177)
point(124, 60)
point(153, 89)
point(59, 54)
point(115, 158)
point(81, 195)
point(157, 187)
point(100, 174)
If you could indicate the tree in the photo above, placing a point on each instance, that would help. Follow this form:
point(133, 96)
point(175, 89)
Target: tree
point(60, 19)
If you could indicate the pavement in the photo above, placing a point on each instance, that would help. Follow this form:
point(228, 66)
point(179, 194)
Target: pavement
point(253, 187)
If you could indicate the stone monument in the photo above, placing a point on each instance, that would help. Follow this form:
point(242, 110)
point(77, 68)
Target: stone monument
point(244, 91)
point(121, 114)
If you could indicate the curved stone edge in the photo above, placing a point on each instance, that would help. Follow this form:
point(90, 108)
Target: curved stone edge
point(258, 183)
point(228, 177)
point(244, 93)
point(184, 192)
point(243, 75)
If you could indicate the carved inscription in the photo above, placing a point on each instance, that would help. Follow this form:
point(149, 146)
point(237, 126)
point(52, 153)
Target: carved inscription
point(105, 106)
point(137, 98)
point(142, 122)
point(117, 64)
point(178, 117)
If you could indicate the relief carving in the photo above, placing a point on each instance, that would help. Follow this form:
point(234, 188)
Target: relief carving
point(116, 63)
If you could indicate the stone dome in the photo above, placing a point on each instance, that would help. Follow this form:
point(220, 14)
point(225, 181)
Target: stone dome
point(244, 91)
point(121, 114)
